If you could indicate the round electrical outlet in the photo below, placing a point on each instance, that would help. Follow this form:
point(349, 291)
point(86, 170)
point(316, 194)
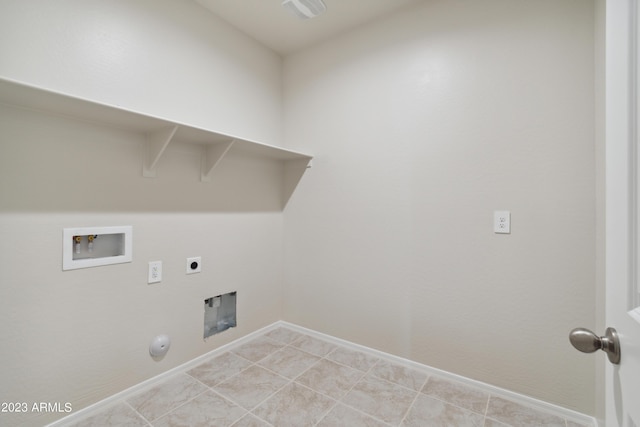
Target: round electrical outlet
point(194, 265)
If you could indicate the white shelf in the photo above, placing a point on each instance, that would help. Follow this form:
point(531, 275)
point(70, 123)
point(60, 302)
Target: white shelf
point(159, 132)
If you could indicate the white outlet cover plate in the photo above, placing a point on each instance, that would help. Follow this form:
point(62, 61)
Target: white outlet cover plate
point(502, 222)
point(190, 261)
point(155, 272)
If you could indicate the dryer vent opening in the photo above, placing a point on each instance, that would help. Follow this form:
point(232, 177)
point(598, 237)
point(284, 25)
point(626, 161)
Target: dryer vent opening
point(219, 313)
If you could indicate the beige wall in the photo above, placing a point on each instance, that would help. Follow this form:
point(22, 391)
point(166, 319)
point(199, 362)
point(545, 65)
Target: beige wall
point(165, 58)
point(79, 336)
point(423, 124)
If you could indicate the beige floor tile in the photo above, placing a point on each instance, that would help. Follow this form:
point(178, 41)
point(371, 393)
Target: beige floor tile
point(284, 335)
point(427, 411)
point(352, 358)
point(457, 394)
point(117, 415)
point(330, 378)
point(398, 374)
point(512, 413)
point(343, 416)
point(167, 396)
point(384, 400)
point(294, 406)
point(251, 420)
point(208, 409)
point(219, 369)
point(314, 345)
point(251, 386)
point(289, 361)
point(290, 379)
point(258, 348)
point(488, 422)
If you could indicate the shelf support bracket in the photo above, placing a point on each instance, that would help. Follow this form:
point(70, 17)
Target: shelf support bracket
point(211, 157)
point(154, 148)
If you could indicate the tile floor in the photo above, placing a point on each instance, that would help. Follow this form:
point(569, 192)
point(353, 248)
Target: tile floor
point(286, 378)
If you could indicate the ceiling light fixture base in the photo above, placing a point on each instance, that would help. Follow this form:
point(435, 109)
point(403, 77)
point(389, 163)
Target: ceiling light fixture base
point(305, 9)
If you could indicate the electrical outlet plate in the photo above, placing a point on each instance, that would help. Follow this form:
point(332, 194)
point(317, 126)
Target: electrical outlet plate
point(155, 272)
point(502, 222)
point(194, 265)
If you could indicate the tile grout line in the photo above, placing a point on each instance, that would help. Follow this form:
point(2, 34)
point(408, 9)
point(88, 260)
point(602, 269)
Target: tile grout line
point(325, 358)
point(252, 364)
point(136, 411)
point(290, 382)
point(253, 408)
point(486, 410)
point(413, 402)
point(369, 371)
point(440, 399)
point(256, 364)
point(363, 376)
point(293, 380)
point(211, 389)
point(339, 401)
point(486, 407)
point(378, 361)
point(346, 393)
point(253, 415)
point(182, 404)
point(324, 414)
point(348, 366)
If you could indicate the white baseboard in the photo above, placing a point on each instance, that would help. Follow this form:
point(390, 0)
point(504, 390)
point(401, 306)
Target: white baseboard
point(497, 391)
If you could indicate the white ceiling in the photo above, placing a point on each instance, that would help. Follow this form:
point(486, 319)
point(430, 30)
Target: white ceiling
point(275, 27)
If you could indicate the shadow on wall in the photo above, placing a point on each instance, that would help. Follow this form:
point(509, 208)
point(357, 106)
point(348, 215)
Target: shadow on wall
point(50, 163)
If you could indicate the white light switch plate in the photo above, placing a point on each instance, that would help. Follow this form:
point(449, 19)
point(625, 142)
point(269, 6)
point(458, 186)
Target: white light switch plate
point(502, 222)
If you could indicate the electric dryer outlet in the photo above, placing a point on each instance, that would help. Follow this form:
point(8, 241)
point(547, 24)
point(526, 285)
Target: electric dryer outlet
point(194, 265)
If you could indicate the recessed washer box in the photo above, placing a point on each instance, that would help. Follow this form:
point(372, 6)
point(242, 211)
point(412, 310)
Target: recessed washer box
point(84, 247)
